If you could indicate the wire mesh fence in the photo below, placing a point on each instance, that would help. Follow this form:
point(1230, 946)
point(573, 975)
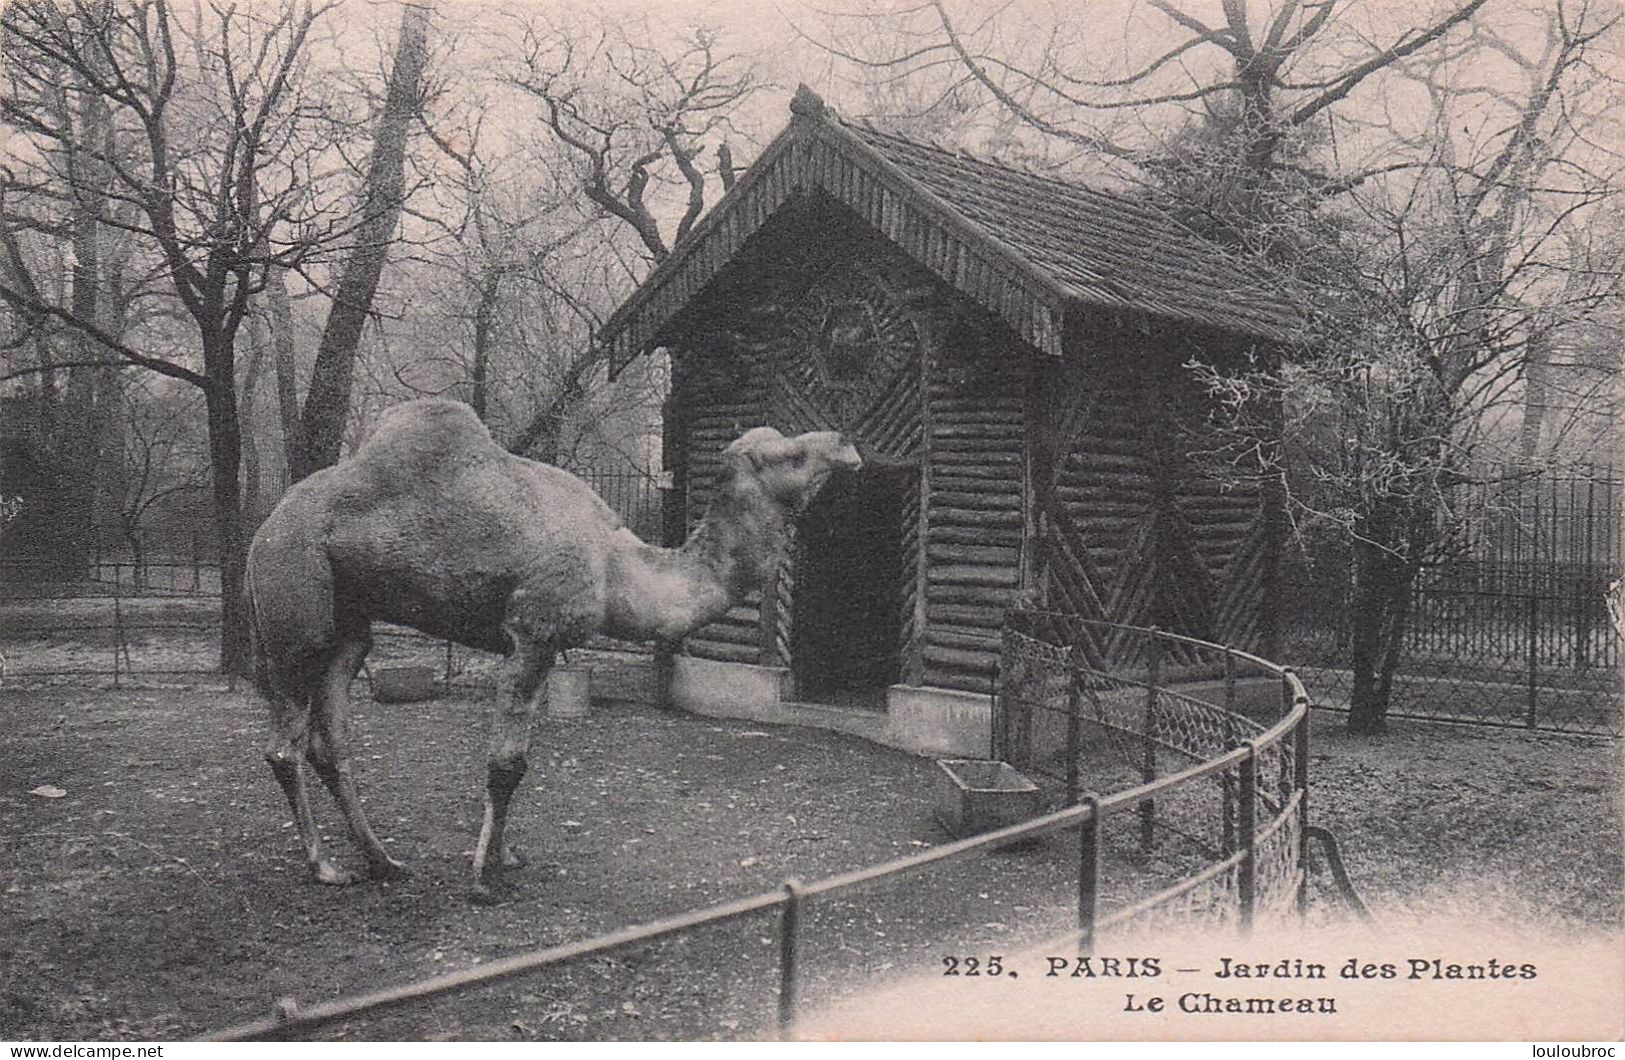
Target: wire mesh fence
point(1510, 628)
point(1212, 741)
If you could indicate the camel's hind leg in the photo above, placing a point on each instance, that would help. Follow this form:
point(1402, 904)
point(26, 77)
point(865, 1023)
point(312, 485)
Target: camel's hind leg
point(332, 745)
point(290, 736)
point(522, 674)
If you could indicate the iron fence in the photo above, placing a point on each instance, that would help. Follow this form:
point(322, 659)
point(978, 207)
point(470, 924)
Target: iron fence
point(142, 614)
point(635, 496)
point(128, 623)
point(1511, 628)
point(1261, 875)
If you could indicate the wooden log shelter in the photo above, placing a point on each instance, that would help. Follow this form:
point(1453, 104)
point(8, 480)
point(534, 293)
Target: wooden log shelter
point(1007, 352)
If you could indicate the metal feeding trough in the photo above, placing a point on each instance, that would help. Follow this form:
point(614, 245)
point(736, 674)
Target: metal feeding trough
point(977, 795)
point(569, 691)
point(402, 684)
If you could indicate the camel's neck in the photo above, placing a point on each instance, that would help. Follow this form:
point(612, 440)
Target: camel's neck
point(738, 544)
point(665, 594)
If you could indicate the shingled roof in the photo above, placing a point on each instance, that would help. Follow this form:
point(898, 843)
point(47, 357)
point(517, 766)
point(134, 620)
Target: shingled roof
point(1027, 248)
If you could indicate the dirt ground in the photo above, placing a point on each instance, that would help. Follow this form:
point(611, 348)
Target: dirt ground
point(151, 887)
point(162, 894)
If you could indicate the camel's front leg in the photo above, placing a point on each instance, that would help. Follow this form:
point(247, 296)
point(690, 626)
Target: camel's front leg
point(522, 674)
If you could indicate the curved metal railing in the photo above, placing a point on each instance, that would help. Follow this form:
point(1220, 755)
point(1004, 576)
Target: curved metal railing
point(1185, 748)
point(1207, 743)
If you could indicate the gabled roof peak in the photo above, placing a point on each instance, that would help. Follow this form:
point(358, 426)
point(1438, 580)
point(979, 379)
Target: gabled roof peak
point(1028, 247)
point(807, 103)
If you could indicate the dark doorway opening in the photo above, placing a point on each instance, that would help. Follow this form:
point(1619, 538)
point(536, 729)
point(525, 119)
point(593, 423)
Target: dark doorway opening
point(848, 619)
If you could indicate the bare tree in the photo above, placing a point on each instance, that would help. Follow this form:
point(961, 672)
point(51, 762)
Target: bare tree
point(509, 222)
point(1218, 108)
point(1436, 222)
point(522, 283)
point(164, 456)
point(383, 192)
point(646, 128)
point(1438, 297)
point(635, 118)
point(205, 160)
point(68, 234)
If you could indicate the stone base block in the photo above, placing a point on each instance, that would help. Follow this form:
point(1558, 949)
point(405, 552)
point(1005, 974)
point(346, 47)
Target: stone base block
point(729, 689)
point(937, 722)
point(940, 722)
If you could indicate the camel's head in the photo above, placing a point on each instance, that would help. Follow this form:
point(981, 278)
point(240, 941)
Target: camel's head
point(790, 470)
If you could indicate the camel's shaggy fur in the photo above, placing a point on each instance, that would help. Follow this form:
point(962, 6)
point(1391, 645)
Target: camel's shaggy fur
point(432, 525)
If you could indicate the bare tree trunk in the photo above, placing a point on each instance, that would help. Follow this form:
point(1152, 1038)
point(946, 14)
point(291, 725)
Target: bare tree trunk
point(138, 559)
point(1373, 590)
point(76, 444)
point(1402, 597)
point(540, 438)
point(327, 404)
point(225, 463)
point(254, 503)
point(287, 370)
point(1536, 369)
point(1388, 572)
point(75, 478)
point(484, 322)
point(92, 391)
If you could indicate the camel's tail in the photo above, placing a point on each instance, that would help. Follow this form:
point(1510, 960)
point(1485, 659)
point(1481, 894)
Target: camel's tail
point(257, 662)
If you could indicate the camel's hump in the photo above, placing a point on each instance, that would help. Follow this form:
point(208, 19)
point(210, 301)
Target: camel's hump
point(426, 434)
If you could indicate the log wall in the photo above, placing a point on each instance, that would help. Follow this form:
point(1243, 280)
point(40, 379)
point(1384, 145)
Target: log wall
point(954, 406)
point(765, 376)
point(1078, 483)
point(723, 393)
point(1138, 527)
point(976, 452)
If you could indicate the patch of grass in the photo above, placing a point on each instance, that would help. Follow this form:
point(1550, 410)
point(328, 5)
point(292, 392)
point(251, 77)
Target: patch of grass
point(1440, 820)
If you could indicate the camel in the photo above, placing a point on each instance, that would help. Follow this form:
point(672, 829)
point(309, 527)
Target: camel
point(432, 525)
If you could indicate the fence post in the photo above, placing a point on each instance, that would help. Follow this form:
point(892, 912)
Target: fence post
point(1533, 633)
point(1300, 779)
point(1584, 602)
point(1227, 782)
point(1074, 737)
point(1088, 873)
point(1148, 767)
point(118, 631)
point(1246, 874)
point(1284, 784)
point(789, 922)
point(1534, 649)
